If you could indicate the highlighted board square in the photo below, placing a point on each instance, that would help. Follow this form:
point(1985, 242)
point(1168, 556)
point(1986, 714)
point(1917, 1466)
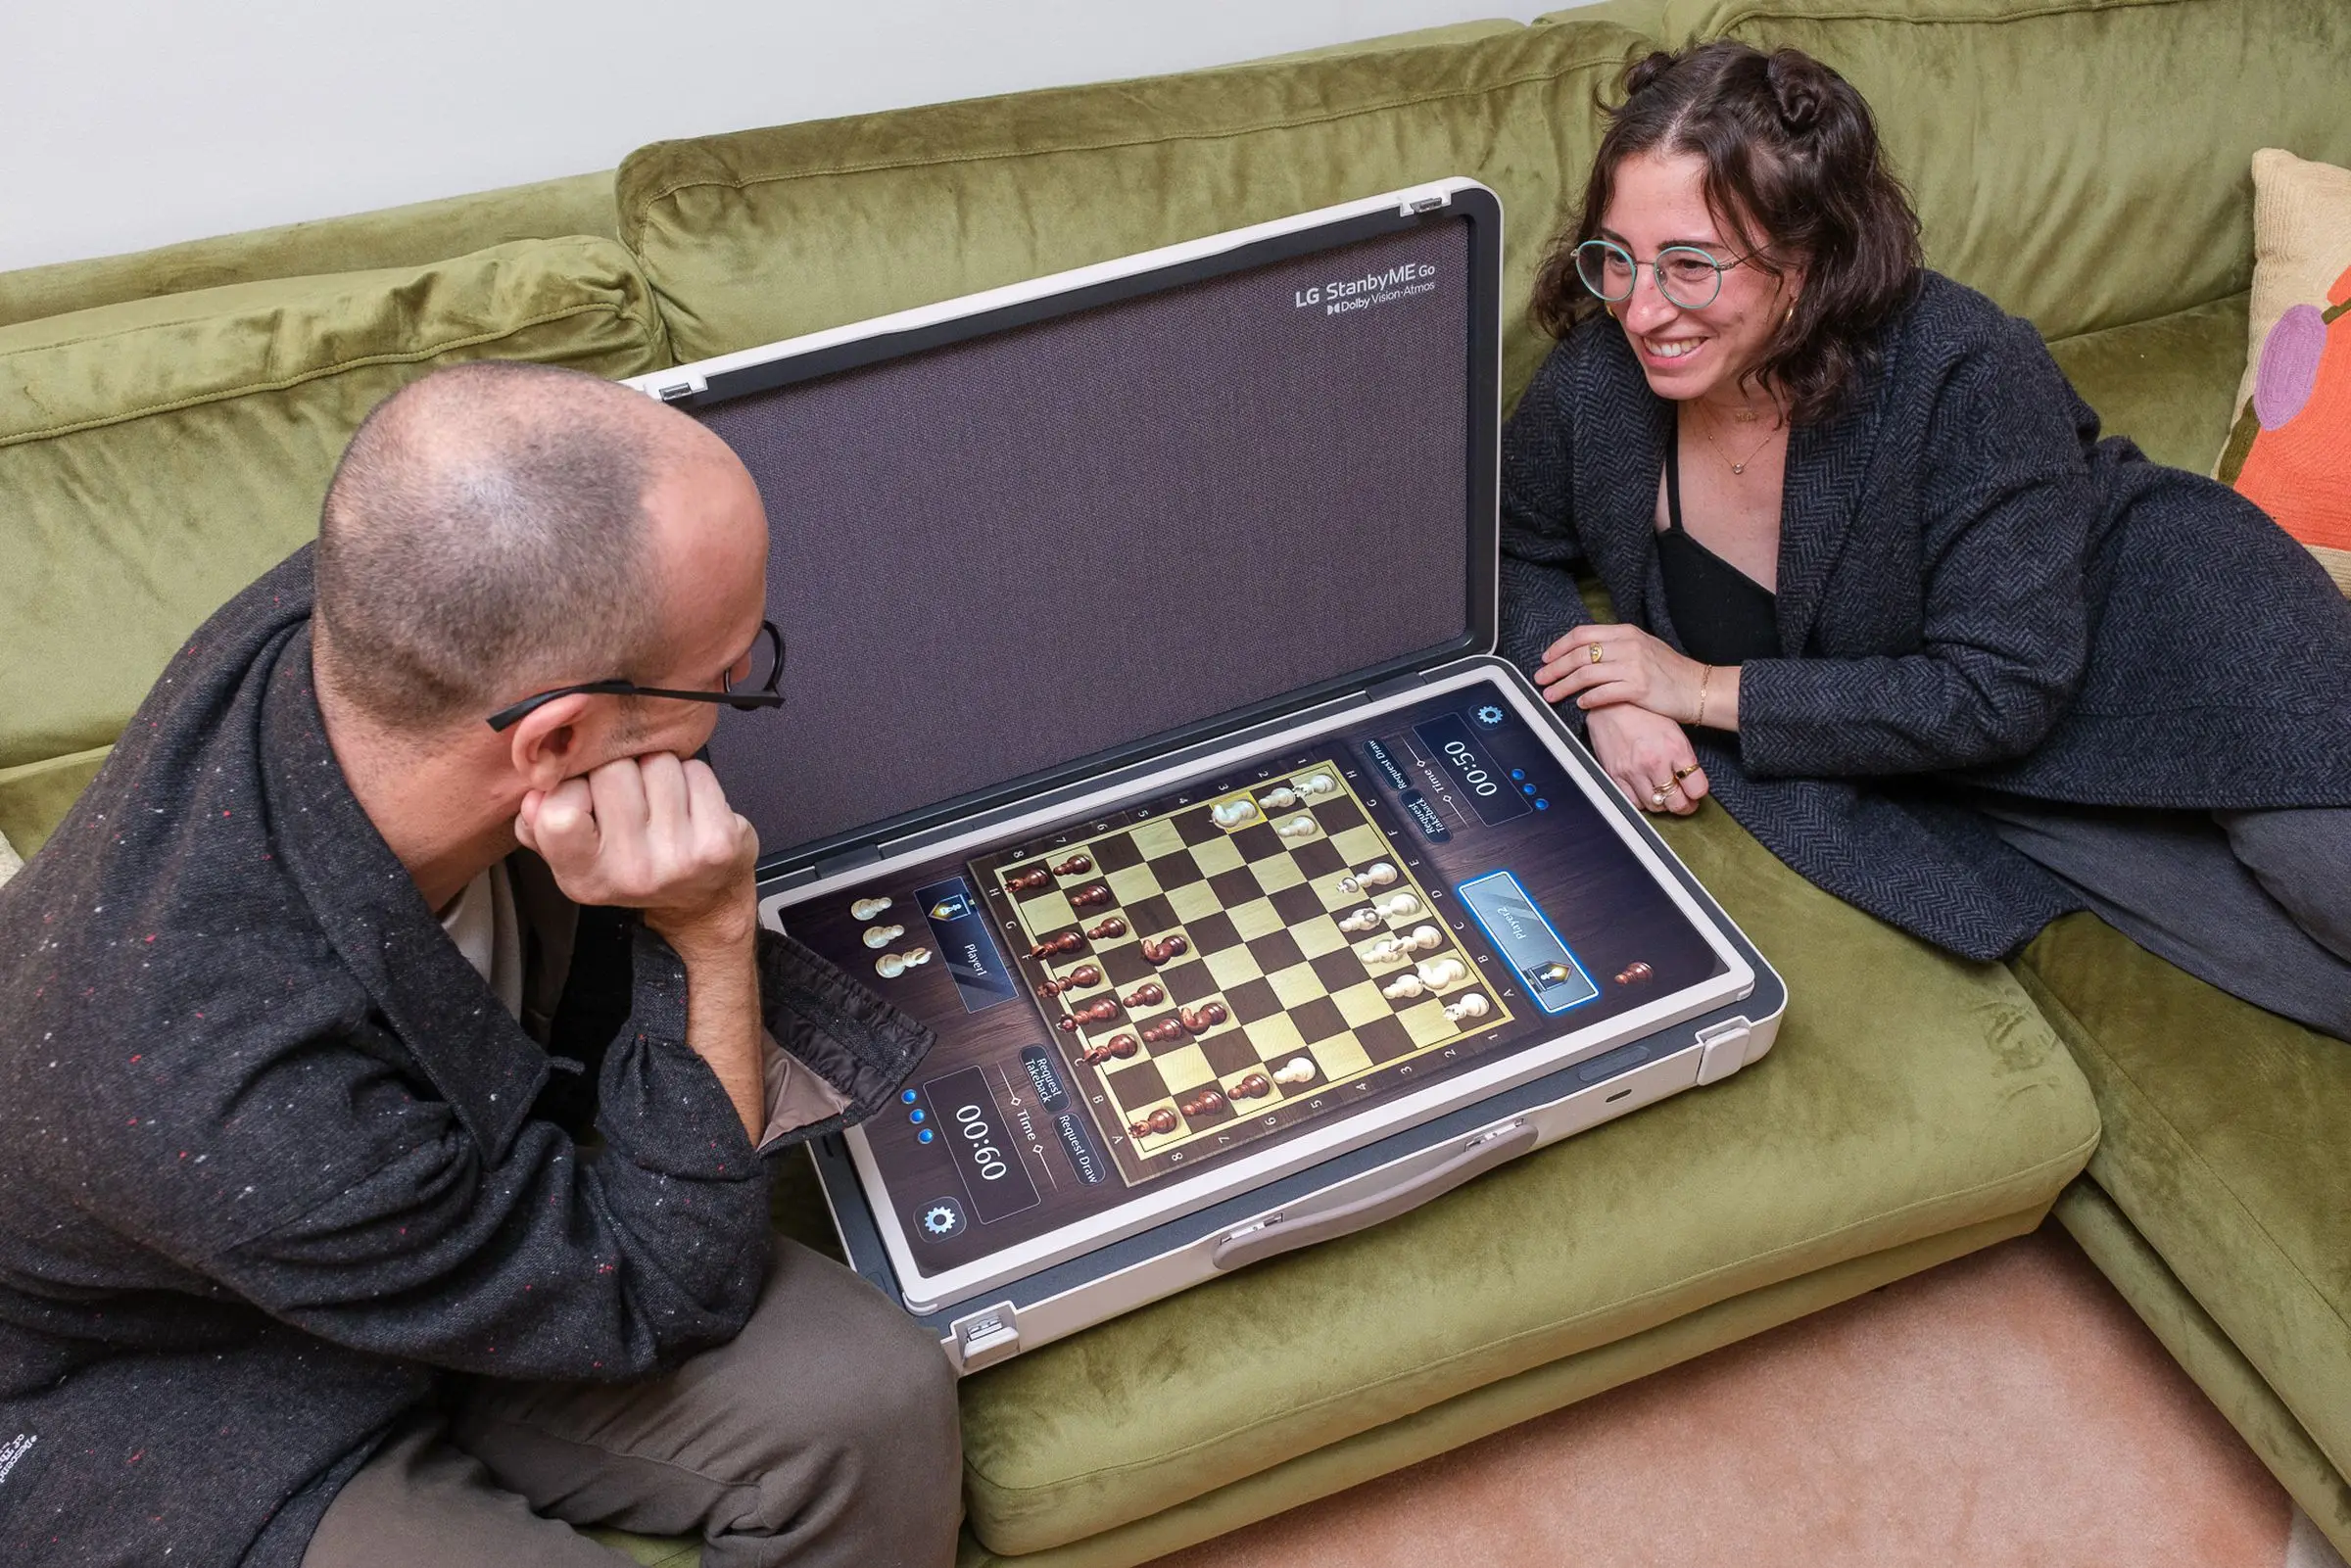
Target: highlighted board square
point(1156, 838)
point(1275, 1039)
point(1296, 987)
point(1134, 885)
point(1193, 902)
point(1339, 1057)
point(1428, 1022)
point(1231, 967)
point(1276, 875)
point(1358, 1005)
point(1183, 1068)
point(1256, 918)
point(1317, 937)
point(1216, 855)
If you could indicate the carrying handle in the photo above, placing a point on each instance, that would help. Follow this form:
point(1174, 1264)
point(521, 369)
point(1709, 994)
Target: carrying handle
point(1281, 1235)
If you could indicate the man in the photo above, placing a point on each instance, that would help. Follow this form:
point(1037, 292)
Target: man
point(300, 1262)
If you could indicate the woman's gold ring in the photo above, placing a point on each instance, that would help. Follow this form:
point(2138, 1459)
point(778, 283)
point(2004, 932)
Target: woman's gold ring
point(1684, 771)
point(1597, 653)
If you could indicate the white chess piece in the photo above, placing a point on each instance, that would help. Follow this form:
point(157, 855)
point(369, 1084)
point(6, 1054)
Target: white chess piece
point(868, 908)
point(1472, 1005)
point(1297, 1070)
point(890, 965)
point(1399, 905)
point(1233, 813)
point(1424, 939)
point(1366, 919)
point(1316, 784)
point(1281, 798)
point(1438, 972)
point(1296, 828)
point(1387, 950)
point(1403, 985)
point(882, 936)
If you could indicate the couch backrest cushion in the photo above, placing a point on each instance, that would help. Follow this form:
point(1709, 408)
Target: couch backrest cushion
point(766, 234)
point(408, 235)
point(2082, 161)
point(157, 456)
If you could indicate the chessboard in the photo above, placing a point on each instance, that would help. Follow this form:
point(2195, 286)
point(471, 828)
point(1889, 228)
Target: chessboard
point(1216, 973)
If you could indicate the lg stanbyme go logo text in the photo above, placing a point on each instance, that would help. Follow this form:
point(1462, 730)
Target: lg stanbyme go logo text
point(14, 1449)
point(1341, 295)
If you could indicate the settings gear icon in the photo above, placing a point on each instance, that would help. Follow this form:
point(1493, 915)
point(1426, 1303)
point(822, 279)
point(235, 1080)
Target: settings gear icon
point(1490, 715)
point(942, 1218)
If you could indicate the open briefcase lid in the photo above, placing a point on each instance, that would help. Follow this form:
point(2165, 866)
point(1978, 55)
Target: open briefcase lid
point(1035, 534)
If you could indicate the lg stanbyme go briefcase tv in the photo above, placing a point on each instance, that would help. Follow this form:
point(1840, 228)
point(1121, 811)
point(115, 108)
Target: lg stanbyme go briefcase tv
point(1144, 739)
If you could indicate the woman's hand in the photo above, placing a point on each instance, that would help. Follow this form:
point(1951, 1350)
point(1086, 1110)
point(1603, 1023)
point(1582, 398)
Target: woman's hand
point(1643, 752)
point(1606, 666)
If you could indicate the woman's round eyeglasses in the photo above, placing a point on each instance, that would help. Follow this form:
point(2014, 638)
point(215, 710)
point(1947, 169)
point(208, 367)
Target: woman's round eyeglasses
point(1687, 276)
point(758, 688)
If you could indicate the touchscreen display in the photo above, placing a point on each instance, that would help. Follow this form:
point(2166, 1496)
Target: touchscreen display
point(1127, 1000)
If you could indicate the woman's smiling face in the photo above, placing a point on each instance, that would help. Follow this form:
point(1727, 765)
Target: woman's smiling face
point(1659, 200)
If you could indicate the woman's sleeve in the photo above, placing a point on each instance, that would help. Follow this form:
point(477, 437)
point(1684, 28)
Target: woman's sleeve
point(1539, 550)
point(2010, 504)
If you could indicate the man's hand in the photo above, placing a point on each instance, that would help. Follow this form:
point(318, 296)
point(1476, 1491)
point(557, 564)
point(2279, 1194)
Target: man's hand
point(651, 833)
point(1642, 751)
point(656, 835)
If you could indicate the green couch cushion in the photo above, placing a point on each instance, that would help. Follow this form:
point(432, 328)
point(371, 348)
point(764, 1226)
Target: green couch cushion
point(2086, 163)
point(768, 234)
point(409, 235)
point(2225, 1147)
point(2164, 383)
point(159, 454)
point(2144, 1280)
point(1910, 1096)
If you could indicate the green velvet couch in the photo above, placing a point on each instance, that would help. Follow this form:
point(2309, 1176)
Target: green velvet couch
point(167, 421)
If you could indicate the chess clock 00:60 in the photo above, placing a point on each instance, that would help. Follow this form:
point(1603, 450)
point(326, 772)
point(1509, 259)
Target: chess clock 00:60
point(987, 1158)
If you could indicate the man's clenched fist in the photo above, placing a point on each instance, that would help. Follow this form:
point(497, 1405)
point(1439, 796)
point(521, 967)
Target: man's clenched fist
point(652, 833)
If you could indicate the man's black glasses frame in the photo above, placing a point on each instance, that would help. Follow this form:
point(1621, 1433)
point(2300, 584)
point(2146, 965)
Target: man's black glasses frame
point(767, 696)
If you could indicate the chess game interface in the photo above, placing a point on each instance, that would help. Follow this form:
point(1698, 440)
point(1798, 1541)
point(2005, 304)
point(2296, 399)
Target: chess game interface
point(1127, 1001)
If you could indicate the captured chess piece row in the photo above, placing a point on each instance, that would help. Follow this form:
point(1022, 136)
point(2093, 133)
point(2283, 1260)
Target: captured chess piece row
point(1242, 810)
point(890, 965)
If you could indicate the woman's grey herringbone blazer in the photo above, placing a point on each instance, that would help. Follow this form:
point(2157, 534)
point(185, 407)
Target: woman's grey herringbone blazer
point(1973, 590)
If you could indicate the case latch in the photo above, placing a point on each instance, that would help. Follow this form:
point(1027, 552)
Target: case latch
point(1724, 1046)
point(986, 1336)
point(1424, 203)
point(680, 387)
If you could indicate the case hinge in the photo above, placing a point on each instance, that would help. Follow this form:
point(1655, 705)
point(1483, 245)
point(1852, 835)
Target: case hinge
point(985, 1337)
point(1724, 1048)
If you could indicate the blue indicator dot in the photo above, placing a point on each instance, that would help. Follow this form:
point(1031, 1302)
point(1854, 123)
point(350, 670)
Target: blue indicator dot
point(914, 1116)
point(924, 1136)
point(906, 1096)
point(1517, 773)
point(1542, 805)
point(1528, 788)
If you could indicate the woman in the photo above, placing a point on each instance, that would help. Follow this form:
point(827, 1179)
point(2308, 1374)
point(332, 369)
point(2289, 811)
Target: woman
point(1882, 589)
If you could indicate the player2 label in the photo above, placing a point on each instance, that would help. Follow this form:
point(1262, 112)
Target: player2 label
point(987, 1155)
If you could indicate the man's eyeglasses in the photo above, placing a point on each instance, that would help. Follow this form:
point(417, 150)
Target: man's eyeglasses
point(1686, 275)
point(756, 690)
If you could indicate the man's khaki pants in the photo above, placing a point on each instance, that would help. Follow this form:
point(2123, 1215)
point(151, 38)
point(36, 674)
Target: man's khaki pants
point(824, 1434)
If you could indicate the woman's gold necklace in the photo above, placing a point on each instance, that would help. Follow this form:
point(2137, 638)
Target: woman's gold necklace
point(1740, 466)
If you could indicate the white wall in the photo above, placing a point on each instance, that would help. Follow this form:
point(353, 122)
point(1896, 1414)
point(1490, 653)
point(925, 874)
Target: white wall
point(138, 122)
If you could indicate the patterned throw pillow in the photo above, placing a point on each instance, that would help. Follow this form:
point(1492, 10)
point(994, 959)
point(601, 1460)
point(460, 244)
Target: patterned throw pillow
point(2290, 451)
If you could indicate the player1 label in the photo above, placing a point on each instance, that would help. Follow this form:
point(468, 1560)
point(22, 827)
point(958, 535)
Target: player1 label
point(982, 977)
point(987, 1156)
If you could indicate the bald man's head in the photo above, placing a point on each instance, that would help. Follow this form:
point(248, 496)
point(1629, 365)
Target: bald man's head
point(486, 536)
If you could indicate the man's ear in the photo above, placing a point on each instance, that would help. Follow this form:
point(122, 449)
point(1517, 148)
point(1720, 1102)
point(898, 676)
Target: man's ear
point(547, 743)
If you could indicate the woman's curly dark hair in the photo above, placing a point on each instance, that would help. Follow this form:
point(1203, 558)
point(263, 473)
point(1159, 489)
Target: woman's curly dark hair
point(1793, 168)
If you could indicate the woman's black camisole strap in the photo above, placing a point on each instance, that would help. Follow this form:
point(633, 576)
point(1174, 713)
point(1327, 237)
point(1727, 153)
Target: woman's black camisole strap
point(1723, 615)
